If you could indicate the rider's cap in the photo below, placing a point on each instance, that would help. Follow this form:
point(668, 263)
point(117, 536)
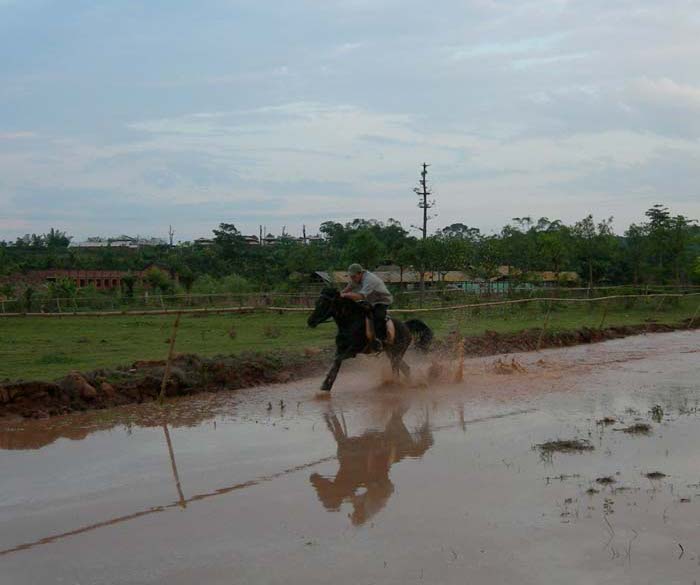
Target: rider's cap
point(355, 269)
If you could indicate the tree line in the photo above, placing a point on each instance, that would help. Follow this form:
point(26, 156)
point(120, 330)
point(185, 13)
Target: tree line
point(663, 249)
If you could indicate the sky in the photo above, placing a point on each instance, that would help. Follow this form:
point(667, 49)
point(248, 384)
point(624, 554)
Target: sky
point(126, 117)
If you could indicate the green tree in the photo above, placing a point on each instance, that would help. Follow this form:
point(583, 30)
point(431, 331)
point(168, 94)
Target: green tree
point(678, 247)
point(56, 239)
point(554, 247)
point(187, 278)
point(231, 246)
point(28, 296)
point(128, 281)
point(158, 280)
point(63, 288)
point(595, 245)
point(364, 247)
point(635, 251)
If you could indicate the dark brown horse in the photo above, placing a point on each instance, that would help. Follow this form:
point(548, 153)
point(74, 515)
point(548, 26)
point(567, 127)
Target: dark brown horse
point(352, 339)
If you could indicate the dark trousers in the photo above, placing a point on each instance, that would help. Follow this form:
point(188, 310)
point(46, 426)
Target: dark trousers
point(379, 314)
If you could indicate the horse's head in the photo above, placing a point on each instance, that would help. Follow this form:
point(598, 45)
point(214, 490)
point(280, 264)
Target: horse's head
point(325, 305)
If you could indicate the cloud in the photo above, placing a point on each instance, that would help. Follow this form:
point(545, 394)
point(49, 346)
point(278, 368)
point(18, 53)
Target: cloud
point(665, 173)
point(16, 135)
point(524, 45)
point(550, 60)
point(667, 93)
point(328, 108)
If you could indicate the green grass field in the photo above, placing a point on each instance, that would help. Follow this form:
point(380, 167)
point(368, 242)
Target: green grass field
point(47, 348)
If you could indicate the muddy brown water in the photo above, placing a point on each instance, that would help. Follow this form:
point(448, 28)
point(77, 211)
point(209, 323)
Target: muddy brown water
point(437, 482)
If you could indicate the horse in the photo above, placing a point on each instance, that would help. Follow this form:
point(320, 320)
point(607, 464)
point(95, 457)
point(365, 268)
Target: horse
point(352, 338)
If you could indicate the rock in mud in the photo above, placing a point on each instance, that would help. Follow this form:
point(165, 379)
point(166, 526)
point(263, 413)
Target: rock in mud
point(108, 391)
point(77, 386)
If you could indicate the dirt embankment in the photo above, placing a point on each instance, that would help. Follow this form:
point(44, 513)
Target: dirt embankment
point(191, 374)
point(141, 382)
point(491, 342)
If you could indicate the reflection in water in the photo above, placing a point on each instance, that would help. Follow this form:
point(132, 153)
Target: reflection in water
point(176, 475)
point(394, 443)
point(35, 434)
point(365, 461)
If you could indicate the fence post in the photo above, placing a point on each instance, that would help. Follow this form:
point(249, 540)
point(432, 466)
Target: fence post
point(605, 312)
point(658, 307)
point(692, 320)
point(166, 374)
point(544, 327)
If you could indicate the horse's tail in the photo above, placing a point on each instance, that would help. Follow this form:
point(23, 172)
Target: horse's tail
point(422, 334)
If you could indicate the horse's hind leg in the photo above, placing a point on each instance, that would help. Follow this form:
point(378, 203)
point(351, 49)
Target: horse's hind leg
point(398, 366)
point(398, 363)
point(332, 374)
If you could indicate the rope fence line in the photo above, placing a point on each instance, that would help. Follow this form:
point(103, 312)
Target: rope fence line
point(272, 309)
point(541, 299)
point(312, 293)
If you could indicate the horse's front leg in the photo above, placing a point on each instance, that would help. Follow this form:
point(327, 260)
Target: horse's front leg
point(332, 373)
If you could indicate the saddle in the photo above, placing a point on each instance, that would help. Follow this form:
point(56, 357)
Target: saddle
point(371, 336)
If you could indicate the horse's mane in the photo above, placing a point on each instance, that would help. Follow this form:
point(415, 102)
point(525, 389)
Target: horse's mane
point(346, 305)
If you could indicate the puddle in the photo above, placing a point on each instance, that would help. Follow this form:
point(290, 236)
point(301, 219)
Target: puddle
point(430, 482)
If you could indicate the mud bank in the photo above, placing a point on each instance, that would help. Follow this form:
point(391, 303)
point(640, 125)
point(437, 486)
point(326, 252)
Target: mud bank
point(191, 374)
point(141, 382)
point(492, 343)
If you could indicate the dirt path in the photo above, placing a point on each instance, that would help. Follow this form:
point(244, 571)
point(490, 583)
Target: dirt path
point(439, 482)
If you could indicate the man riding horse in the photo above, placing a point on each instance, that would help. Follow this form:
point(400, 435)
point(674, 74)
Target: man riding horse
point(350, 318)
point(367, 286)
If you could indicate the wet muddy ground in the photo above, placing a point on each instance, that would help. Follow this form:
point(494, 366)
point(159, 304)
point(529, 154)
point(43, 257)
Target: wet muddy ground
point(575, 465)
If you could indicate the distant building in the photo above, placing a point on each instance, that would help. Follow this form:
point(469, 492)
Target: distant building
point(128, 242)
point(550, 278)
point(408, 277)
point(100, 279)
point(252, 240)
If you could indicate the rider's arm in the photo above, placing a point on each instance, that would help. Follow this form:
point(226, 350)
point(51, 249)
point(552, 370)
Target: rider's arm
point(353, 295)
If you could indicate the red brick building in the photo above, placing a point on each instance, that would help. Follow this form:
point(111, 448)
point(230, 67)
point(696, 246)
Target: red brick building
point(100, 279)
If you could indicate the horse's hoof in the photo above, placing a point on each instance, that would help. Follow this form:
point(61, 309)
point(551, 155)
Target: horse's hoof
point(325, 388)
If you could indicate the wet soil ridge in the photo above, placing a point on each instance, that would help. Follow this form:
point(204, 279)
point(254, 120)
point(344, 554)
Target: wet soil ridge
point(492, 342)
point(565, 446)
point(637, 429)
point(141, 382)
point(190, 374)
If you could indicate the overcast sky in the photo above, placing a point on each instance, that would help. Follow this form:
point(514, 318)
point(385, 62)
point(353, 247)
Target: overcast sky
point(125, 117)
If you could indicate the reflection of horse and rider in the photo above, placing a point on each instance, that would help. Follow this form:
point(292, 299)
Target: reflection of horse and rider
point(365, 461)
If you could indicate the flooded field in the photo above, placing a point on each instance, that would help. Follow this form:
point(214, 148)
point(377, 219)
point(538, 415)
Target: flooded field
point(577, 465)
